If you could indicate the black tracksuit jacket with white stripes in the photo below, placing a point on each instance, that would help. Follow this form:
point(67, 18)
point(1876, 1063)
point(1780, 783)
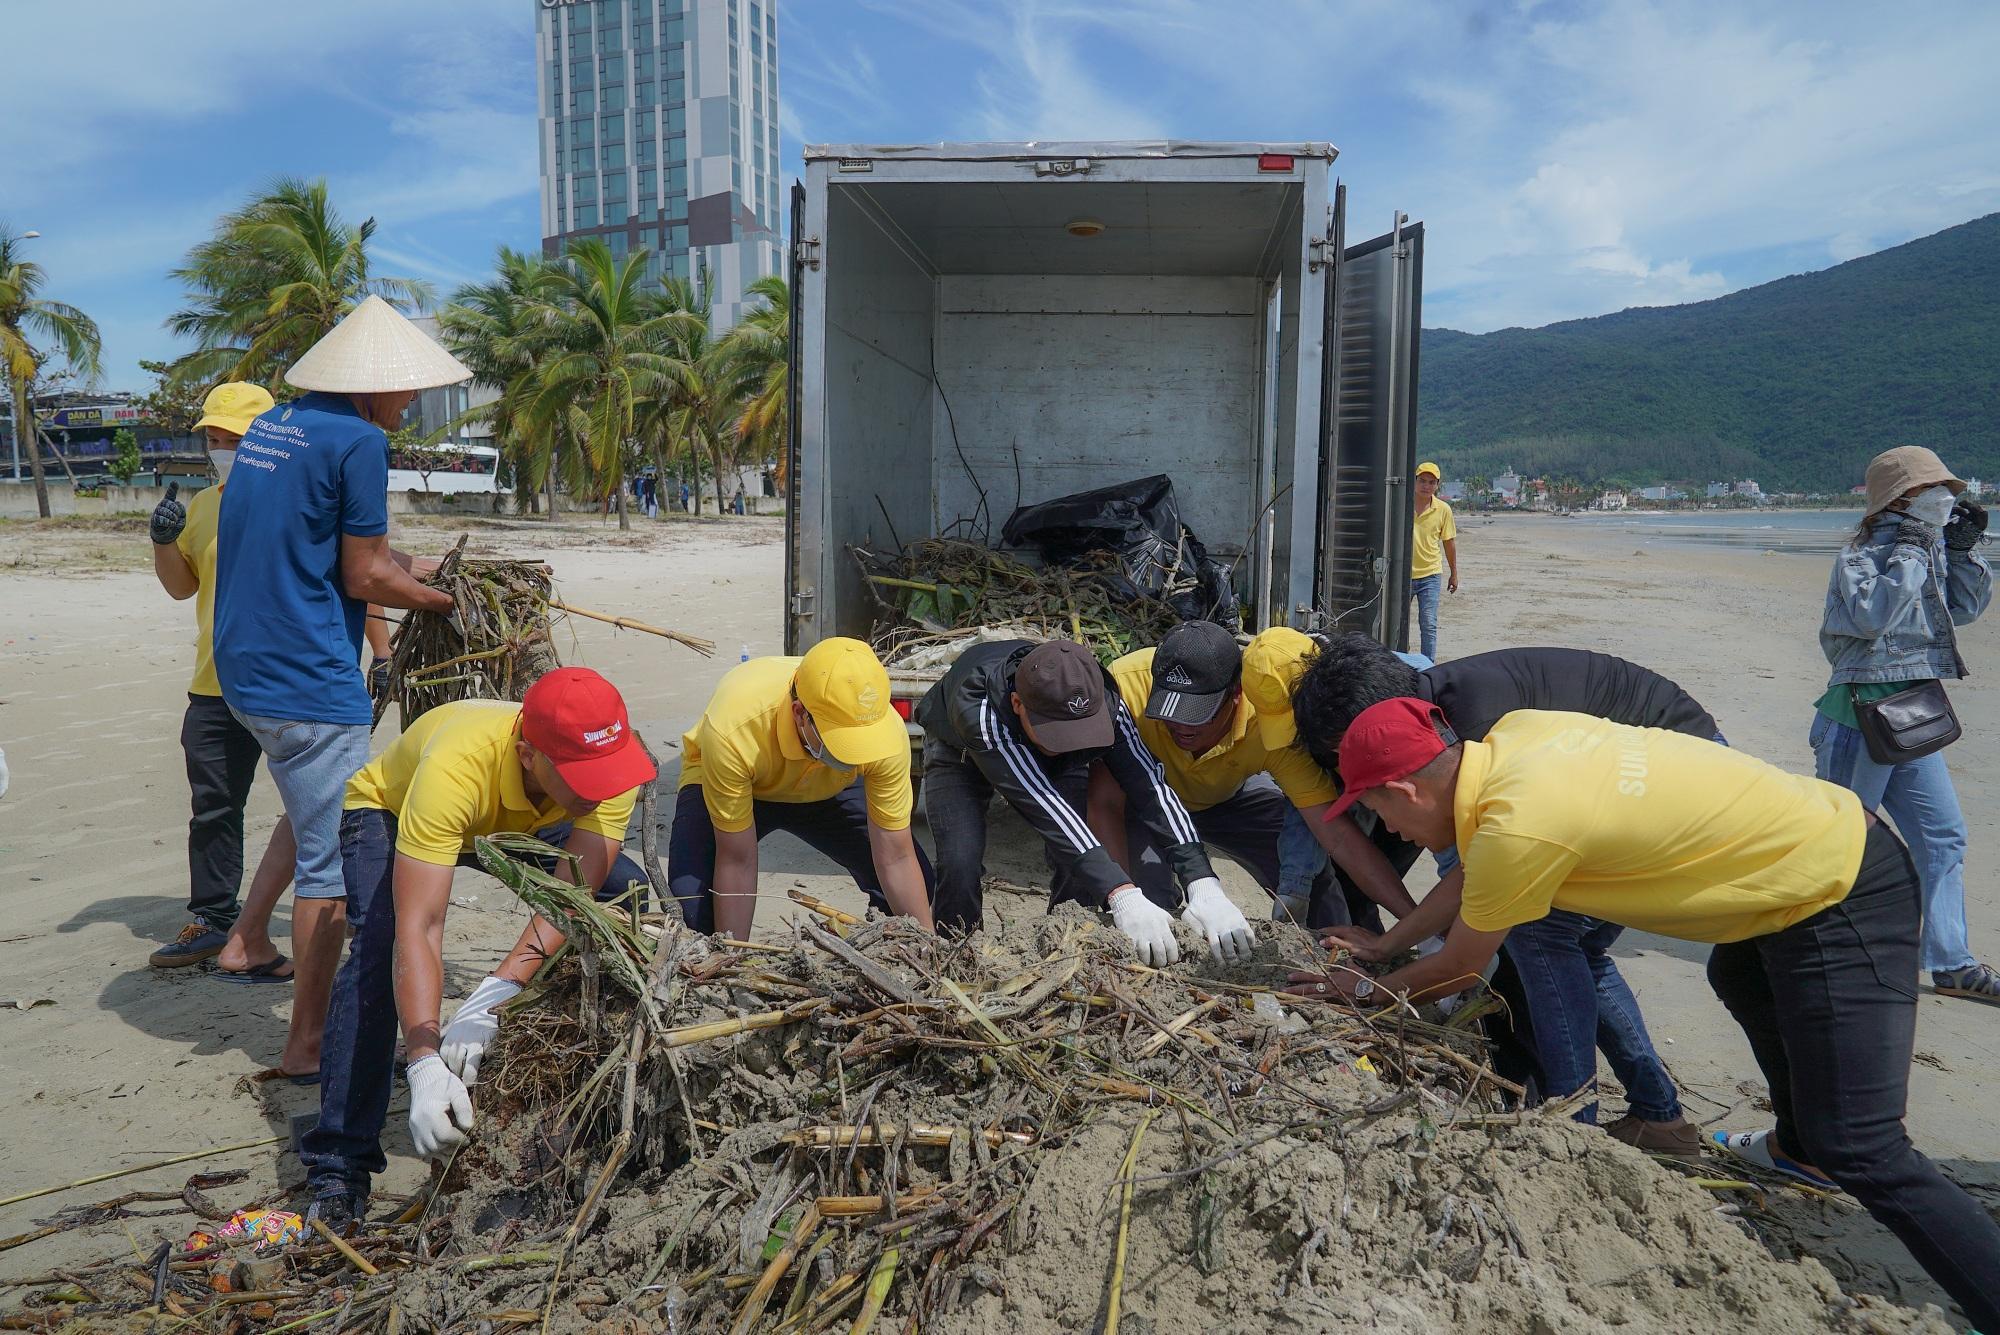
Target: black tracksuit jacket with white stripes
point(970, 711)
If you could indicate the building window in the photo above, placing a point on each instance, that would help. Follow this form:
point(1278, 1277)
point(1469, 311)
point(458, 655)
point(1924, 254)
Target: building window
point(676, 206)
point(676, 32)
point(676, 60)
point(586, 215)
point(611, 127)
point(676, 90)
point(584, 189)
point(582, 102)
point(643, 97)
point(579, 16)
point(756, 45)
point(619, 244)
point(677, 237)
point(614, 97)
point(614, 156)
point(677, 179)
point(583, 132)
point(583, 159)
point(610, 41)
point(771, 32)
point(614, 187)
point(582, 73)
point(643, 151)
point(677, 147)
point(649, 183)
point(736, 175)
point(642, 65)
point(677, 119)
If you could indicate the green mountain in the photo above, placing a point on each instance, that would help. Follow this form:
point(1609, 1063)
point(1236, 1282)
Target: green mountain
point(1795, 383)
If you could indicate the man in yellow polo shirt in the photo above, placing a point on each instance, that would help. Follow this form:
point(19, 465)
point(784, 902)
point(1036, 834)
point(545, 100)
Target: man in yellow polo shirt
point(1238, 779)
point(1433, 546)
point(221, 754)
point(810, 746)
point(563, 765)
point(1812, 905)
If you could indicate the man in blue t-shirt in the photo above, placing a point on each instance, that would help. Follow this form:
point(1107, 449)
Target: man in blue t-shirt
point(302, 548)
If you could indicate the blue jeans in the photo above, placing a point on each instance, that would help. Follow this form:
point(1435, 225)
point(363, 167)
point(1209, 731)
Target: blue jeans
point(1578, 1003)
point(359, 1048)
point(1918, 796)
point(1427, 591)
point(311, 764)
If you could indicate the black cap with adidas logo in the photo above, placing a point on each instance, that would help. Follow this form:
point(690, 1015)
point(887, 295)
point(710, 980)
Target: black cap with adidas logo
point(1193, 669)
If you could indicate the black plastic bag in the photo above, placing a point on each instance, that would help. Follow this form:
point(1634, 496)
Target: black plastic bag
point(1140, 523)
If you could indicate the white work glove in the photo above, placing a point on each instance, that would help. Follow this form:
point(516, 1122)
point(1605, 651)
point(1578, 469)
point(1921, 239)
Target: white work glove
point(1150, 927)
point(1220, 922)
point(440, 1107)
point(465, 1039)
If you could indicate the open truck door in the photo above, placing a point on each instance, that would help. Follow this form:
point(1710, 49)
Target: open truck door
point(796, 275)
point(1374, 306)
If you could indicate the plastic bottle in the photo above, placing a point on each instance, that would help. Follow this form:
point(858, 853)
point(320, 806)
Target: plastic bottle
point(745, 656)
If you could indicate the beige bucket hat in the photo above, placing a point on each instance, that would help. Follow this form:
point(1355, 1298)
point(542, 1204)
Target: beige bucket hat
point(375, 350)
point(1893, 472)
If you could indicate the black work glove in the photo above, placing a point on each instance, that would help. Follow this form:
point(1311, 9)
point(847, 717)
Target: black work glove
point(1967, 526)
point(378, 678)
point(169, 517)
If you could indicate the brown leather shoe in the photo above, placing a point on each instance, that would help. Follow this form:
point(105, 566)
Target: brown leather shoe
point(1676, 1138)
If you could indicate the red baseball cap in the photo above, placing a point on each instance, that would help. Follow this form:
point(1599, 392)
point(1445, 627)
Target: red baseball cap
point(577, 719)
point(1389, 740)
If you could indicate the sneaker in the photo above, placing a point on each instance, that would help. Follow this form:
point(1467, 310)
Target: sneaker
point(197, 942)
point(1976, 981)
point(1676, 1138)
point(342, 1212)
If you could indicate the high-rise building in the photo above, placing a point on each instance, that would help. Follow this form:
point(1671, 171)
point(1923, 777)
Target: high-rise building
point(659, 128)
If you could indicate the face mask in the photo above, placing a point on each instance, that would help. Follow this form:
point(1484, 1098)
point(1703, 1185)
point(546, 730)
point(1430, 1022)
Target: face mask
point(1932, 506)
point(223, 460)
point(819, 753)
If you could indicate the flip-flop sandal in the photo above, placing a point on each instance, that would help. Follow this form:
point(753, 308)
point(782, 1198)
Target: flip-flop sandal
point(1755, 1147)
point(256, 974)
point(271, 1073)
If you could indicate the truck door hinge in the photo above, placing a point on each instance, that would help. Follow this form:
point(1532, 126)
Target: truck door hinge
point(1062, 167)
point(1320, 257)
point(805, 252)
point(802, 602)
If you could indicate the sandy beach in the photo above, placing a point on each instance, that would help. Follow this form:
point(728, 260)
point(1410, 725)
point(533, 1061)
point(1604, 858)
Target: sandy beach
point(106, 1063)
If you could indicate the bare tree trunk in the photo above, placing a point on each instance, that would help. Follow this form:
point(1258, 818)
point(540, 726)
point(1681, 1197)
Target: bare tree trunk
point(549, 481)
point(28, 438)
point(624, 519)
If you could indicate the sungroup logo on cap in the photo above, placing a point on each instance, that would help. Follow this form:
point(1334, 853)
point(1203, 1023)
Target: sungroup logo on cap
point(604, 736)
point(1178, 676)
point(1077, 705)
point(869, 700)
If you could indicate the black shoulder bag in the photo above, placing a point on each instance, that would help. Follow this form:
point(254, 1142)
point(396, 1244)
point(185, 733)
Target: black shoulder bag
point(1913, 723)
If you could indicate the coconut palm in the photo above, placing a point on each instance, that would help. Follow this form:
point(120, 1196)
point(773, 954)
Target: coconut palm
point(23, 311)
point(699, 418)
point(606, 350)
point(757, 358)
point(485, 326)
point(276, 276)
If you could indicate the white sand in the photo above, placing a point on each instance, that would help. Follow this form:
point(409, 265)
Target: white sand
point(130, 1065)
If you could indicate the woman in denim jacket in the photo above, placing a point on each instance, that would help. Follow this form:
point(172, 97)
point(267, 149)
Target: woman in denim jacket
point(1910, 574)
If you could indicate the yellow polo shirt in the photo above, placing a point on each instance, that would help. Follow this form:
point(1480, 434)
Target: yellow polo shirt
point(1653, 829)
point(746, 749)
point(1433, 527)
point(197, 544)
point(454, 774)
point(1215, 776)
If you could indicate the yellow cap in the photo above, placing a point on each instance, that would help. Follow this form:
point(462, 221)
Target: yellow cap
point(845, 688)
point(1431, 468)
point(233, 406)
point(1272, 665)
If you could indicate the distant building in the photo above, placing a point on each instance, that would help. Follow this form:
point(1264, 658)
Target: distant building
point(1453, 490)
point(1611, 500)
point(1747, 488)
point(1717, 490)
point(1659, 493)
point(1507, 486)
point(659, 129)
point(1861, 490)
point(435, 409)
point(1975, 487)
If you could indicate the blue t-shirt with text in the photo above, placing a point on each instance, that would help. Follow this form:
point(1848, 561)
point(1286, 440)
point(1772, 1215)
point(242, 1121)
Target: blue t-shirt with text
point(287, 636)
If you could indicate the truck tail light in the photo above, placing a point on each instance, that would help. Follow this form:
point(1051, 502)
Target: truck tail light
point(902, 707)
point(1274, 162)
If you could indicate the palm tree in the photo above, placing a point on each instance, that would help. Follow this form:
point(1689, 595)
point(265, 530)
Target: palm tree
point(486, 327)
point(607, 351)
point(757, 355)
point(72, 333)
point(276, 276)
point(700, 417)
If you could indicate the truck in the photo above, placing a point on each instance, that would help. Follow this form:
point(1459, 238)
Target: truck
point(980, 326)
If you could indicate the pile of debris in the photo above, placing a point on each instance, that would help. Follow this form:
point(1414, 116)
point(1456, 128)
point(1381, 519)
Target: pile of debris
point(864, 1126)
point(494, 645)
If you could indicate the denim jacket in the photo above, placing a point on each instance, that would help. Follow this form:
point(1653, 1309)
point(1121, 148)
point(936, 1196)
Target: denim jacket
point(1887, 606)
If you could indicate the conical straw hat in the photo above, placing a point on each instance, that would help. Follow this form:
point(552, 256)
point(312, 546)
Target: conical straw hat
point(375, 351)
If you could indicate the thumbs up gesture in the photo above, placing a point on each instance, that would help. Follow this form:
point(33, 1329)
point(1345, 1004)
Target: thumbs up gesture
point(169, 517)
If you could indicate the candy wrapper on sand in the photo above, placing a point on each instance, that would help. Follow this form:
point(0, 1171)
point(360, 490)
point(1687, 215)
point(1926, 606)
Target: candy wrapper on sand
point(266, 1230)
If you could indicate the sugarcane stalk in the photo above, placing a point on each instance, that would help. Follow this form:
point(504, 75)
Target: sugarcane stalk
point(753, 1306)
point(1113, 1303)
point(703, 647)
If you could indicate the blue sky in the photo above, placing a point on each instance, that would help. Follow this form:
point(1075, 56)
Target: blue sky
point(1568, 158)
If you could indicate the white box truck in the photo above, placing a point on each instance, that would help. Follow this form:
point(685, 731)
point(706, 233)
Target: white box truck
point(981, 326)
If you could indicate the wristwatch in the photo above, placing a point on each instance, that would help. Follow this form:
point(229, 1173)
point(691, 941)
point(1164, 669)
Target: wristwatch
point(1364, 989)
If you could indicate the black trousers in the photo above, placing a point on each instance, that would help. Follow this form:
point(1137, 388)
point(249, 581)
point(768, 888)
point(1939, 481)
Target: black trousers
point(836, 828)
point(956, 799)
point(221, 758)
point(1245, 827)
point(1829, 1005)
